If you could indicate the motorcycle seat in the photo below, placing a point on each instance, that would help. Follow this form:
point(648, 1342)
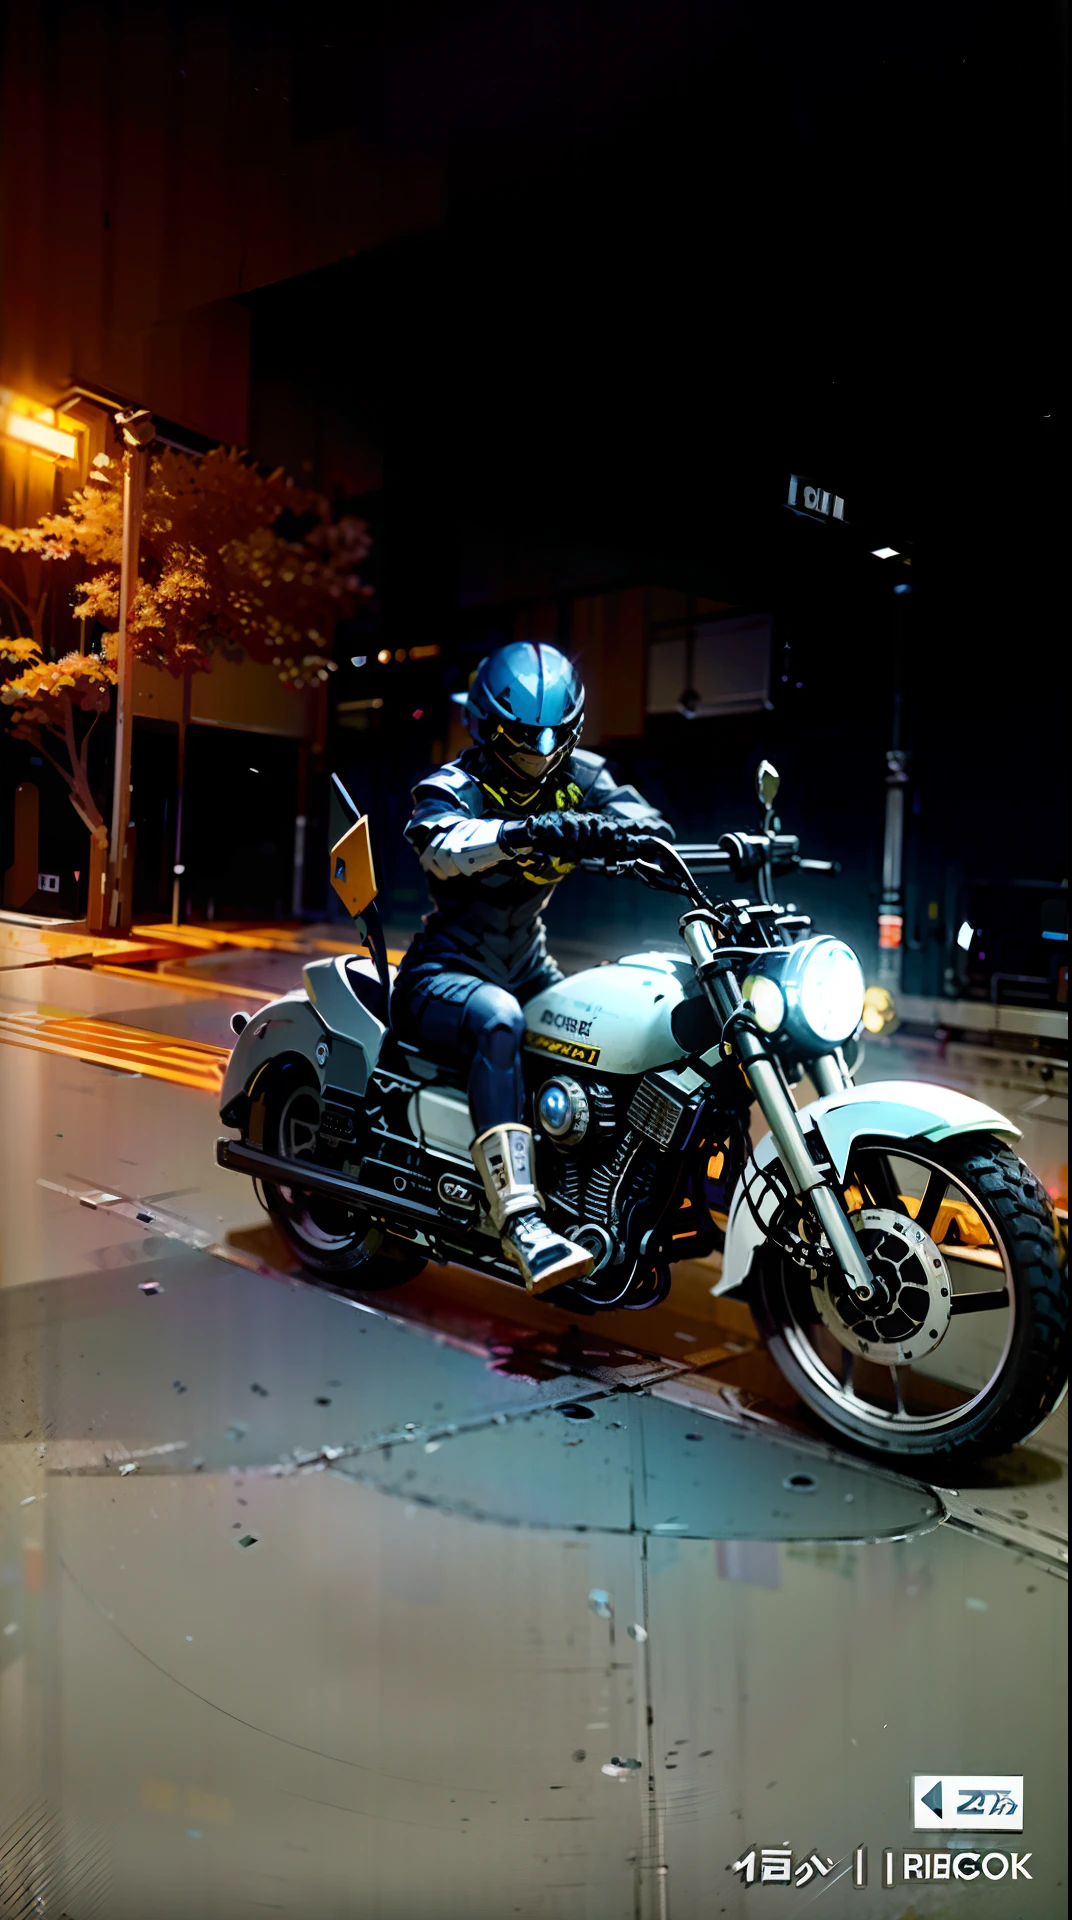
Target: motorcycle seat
point(370, 991)
point(401, 1056)
point(397, 1055)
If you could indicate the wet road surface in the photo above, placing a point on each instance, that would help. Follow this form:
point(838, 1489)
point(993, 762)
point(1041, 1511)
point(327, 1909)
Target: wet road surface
point(435, 1604)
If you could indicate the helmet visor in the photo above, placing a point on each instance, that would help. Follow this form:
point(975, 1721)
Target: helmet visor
point(531, 751)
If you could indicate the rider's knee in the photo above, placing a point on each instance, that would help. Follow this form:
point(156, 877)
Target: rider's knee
point(497, 1025)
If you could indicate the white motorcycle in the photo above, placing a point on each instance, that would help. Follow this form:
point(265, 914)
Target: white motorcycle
point(901, 1262)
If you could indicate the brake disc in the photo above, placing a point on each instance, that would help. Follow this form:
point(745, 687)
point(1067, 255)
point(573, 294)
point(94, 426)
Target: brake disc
point(908, 1314)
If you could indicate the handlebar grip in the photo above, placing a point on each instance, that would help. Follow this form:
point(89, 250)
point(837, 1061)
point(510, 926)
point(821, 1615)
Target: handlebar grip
point(703, 857)
point(625, 847)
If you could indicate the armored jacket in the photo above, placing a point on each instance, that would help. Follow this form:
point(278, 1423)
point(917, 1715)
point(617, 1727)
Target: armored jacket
point(488, 904)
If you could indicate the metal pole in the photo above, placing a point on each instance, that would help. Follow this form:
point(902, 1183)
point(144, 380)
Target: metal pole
point(178, 869)
point(301, 822)
point(891, 909)
point(137, 429)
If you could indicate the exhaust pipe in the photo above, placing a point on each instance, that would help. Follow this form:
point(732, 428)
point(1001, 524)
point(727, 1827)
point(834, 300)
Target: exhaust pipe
point(237, 1157)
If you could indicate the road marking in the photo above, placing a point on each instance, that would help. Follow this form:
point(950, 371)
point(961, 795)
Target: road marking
point(187, 1063)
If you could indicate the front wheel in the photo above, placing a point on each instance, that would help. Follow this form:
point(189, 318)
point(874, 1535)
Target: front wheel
point(964, 1349)
point(328, 1239)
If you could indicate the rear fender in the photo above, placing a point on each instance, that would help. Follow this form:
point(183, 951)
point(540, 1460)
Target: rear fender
point(346, 1019)
point(286, 1025)
point(323, 1012)
point(883, 1110)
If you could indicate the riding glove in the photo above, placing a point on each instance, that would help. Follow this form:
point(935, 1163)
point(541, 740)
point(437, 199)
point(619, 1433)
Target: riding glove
point(561, 835)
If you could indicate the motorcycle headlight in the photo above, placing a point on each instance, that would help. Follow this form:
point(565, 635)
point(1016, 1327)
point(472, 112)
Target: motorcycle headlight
point(768, 1001)
point(820, 986)
point(827, 985)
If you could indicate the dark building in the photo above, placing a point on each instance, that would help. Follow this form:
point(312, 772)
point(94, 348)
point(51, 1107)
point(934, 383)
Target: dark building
point(560, 303)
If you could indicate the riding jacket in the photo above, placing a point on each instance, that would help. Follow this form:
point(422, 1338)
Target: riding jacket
point(488, 903)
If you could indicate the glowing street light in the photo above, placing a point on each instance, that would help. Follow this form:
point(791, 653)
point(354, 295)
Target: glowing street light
point(34, 427)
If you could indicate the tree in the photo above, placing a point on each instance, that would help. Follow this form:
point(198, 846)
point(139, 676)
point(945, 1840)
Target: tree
point(229, 556)
point(46, 697)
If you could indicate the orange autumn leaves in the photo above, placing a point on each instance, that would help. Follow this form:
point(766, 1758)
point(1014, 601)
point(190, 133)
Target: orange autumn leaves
point(229, 558)
point(83, 678)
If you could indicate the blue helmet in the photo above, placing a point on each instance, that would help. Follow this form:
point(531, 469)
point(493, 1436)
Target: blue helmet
point(526, 706)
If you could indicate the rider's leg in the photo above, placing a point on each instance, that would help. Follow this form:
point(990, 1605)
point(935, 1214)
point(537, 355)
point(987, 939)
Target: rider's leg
point(493, 1030)
point(488, 1028)
point(494, 1026)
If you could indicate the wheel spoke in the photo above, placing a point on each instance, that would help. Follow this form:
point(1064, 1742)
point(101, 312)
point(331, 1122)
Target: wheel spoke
point(881, 1184)
point(933, 1195)
point(979, 1302)
point(978, 1273)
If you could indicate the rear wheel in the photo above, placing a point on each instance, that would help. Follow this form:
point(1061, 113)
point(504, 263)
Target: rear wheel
point(965, 1348)
point(331, 1240)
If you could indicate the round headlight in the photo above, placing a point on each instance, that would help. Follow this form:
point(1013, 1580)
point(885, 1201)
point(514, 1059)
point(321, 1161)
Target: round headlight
point(830, 990)
point(768, 1001)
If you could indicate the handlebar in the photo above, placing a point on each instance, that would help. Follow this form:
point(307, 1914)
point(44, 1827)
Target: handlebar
point(704, 858)
point(743, 853)
point(740, 854)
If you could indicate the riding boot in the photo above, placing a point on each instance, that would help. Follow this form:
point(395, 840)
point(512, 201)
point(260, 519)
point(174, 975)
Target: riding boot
point(503, 1158)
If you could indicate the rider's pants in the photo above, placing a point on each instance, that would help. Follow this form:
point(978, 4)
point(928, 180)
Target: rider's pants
point(461, 1020)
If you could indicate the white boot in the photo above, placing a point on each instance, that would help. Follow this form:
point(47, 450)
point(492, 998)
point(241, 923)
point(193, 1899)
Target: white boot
point(503, 1158)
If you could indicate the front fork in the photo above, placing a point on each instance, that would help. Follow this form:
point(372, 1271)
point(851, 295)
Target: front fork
point(827, 1074)
point(776, 1104)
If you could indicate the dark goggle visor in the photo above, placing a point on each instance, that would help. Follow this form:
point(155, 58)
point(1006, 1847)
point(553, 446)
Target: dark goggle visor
point(541, 742)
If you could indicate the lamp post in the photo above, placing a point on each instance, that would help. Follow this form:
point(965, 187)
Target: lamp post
point(178, 868)
point(138, 432)
point(891, 910)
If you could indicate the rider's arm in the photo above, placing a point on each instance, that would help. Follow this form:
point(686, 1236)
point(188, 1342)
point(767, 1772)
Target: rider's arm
point(446, 830)
point(604, 795)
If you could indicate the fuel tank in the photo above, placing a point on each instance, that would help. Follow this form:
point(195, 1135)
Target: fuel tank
point(615, 1017)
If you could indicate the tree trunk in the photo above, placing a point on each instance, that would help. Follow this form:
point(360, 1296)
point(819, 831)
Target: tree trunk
point(97, 897)
point(20, 880)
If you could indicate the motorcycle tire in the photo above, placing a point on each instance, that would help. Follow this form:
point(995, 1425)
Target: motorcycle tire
point(333, 1242)
point(1030, 1379)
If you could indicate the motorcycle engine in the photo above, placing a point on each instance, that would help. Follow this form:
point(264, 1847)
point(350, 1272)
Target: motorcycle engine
point(568, 1113)
point(609, 1147)
point(577, 1123)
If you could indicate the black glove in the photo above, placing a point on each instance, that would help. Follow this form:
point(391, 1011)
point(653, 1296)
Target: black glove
point(515, 838)
point(580, 836)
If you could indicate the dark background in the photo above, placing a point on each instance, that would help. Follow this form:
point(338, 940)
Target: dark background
point(668, 257)
point(832, 248)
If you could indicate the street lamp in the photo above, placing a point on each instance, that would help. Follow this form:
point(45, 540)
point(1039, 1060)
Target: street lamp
point(38, 436)
point(891, 909)
point(138, 431)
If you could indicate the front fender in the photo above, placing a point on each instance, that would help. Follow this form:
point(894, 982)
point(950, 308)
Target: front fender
point(886, 1110)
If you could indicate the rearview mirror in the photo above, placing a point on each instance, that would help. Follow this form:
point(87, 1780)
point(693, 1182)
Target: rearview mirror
point(768, 780)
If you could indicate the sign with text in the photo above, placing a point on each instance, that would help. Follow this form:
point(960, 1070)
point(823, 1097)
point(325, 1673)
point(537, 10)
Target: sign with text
point(968, 1802)
point(807, 496)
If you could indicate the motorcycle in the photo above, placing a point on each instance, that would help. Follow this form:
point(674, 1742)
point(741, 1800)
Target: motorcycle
point(900, 1261)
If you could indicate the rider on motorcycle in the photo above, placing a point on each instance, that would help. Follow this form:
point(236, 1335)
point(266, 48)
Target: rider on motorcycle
point(495, 831)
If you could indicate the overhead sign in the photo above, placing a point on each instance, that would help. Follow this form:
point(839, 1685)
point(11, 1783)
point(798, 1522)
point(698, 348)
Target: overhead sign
point(807, 496)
